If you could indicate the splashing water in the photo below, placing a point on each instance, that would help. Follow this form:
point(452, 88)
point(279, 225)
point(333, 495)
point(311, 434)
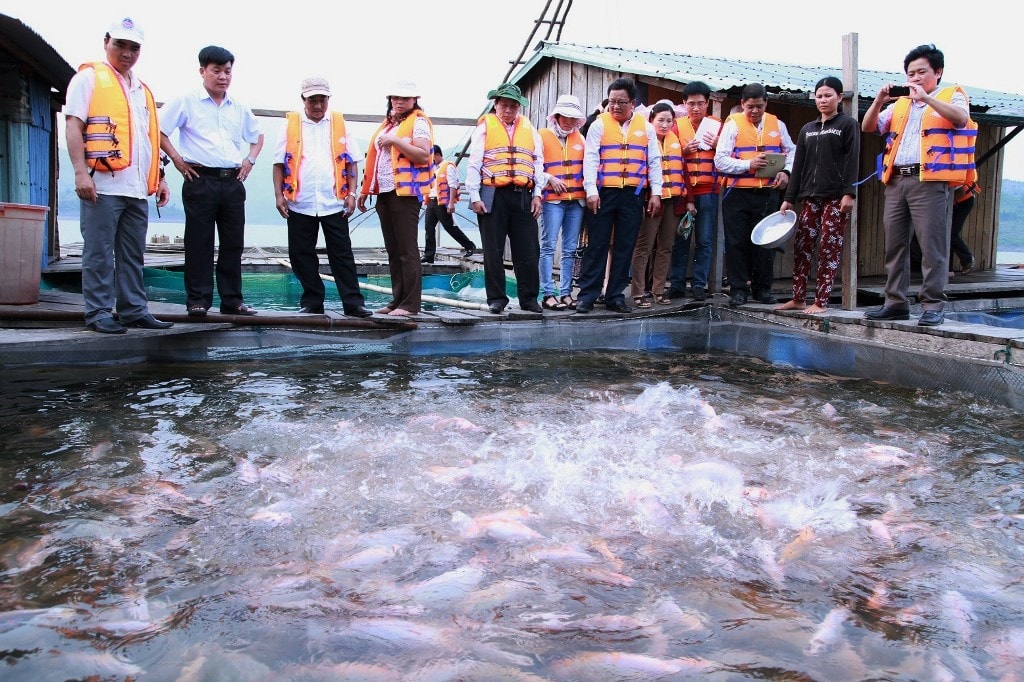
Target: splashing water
point(510, 516)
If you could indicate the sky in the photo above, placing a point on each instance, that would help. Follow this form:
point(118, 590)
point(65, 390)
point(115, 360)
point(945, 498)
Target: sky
point(457, 50)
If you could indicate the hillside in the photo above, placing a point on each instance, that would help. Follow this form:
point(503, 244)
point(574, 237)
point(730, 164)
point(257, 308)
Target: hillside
point(1011, 216)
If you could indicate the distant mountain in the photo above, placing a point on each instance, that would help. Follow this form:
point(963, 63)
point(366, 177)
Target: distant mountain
point(1011, 216)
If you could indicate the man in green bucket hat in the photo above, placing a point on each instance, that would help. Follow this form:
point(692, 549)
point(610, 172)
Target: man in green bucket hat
point(504, 179)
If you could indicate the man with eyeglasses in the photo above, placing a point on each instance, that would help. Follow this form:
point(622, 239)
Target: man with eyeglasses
point(746, 138)
point(622, 158)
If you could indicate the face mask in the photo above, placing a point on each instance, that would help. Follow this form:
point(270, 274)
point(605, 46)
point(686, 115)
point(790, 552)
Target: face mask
point(564, 132)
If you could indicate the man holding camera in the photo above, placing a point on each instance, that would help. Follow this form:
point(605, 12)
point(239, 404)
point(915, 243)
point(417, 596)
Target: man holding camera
point(929, 151)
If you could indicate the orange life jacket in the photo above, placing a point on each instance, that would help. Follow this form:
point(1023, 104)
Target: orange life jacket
point(293, 155)
point(672, 167)
point(623, 158)
point(508, 161)
point(700, 166)
point(108, 126)
point(565, 162)
point(440, 187)
point(947, 153)
point(411, 180)
point(749, 143)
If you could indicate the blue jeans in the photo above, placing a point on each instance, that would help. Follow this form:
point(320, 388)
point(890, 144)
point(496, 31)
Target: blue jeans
point(703, 232)
point(565, 216)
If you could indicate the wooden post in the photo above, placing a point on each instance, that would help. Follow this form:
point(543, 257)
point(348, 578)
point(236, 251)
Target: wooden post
point(850, 105)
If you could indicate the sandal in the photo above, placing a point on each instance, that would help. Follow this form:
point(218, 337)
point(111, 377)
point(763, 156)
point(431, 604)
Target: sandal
point(552, 303)
point(641, 302)
point(662, 299)
point(569, 302)
point(240, 309)
point(196, 311)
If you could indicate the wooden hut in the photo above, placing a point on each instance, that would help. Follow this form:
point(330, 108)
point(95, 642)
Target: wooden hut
point(33, 83)
point(586, 71)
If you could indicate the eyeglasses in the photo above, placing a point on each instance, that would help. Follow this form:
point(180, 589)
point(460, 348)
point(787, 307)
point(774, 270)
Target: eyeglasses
point(619, 102)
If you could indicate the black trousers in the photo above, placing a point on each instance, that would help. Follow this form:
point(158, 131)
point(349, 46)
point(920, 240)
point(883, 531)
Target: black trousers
point(622, 210)
point(303, 231)
point(742, 210)
point(213, 203)
point(510, 219)
point(438, 213)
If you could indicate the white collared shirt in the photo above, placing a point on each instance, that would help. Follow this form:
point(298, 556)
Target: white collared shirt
point(134, 180)
point(316, 195)
point(592, 157)
point(208, 134)
point(474, 178)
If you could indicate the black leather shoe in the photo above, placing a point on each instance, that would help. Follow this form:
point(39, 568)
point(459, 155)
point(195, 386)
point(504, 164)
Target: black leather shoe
point(149, 322)
point(583, 307)
point(469, 251)
point(107, 325)
point(767, 299)
point(531, 307)
point(931, 318)
point(698, 294)
point(496, 308)
point(884, 313)
point(426, 260)
point(739, 297)
point(675, 293)
point(361, 311)
point(618, 307)
point(312, 310)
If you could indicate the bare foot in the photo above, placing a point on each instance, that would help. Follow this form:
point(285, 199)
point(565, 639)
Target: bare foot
point(402, 312)
point(386, 310)
point(813, 309)
point(790, 305)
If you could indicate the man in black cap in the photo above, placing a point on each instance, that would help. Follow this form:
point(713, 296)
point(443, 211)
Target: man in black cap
point(440, 207)
point(504, 179)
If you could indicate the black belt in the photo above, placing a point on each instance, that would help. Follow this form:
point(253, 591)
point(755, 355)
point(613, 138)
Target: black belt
point(914, 170)
point(518, 188)
point(432, 200)
point(216, 172)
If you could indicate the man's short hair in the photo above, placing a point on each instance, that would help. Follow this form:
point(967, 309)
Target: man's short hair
point(933, 54)
point(626, 84)
point(212, 54)
point(696, 88)
point(437, 150)
point(753, 91)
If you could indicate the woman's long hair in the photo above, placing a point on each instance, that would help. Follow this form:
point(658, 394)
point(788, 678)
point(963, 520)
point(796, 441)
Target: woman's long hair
point(392, 119)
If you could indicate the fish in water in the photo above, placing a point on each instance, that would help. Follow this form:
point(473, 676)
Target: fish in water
point(620, 665)
point(829, 633)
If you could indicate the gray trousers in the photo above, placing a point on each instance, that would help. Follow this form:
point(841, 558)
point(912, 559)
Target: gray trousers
point(114, 235)
point(925, 209)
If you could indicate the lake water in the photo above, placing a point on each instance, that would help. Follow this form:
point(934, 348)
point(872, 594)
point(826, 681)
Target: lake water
point(510, 516)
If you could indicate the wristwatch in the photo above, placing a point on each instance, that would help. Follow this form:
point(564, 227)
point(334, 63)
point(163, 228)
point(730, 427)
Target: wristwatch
point(251, 160)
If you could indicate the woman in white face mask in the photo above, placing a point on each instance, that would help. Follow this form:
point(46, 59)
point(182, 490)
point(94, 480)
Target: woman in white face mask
point(564, 199)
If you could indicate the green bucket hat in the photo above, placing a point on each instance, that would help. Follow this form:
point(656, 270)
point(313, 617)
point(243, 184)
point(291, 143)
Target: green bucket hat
point(509, 91)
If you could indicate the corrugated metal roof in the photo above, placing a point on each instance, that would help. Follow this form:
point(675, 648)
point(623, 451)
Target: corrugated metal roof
point(987, 106)
point(27, 45)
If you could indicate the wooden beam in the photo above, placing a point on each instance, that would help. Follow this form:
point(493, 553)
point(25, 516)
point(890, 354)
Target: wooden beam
point(850, 252)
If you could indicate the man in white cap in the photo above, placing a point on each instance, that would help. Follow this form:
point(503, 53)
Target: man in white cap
point(504, 179)
point(564, 199)
point(114, 143)
point(315, 186)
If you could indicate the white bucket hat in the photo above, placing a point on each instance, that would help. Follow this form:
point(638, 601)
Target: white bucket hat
point(403, 89)
point(568, 106)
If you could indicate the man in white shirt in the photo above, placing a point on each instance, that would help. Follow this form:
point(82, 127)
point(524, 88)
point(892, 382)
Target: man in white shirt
point(504, 178)
point(622, 159)
point(113, 180)
point(440, 208)
point(220, 140)
point(314, 186)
